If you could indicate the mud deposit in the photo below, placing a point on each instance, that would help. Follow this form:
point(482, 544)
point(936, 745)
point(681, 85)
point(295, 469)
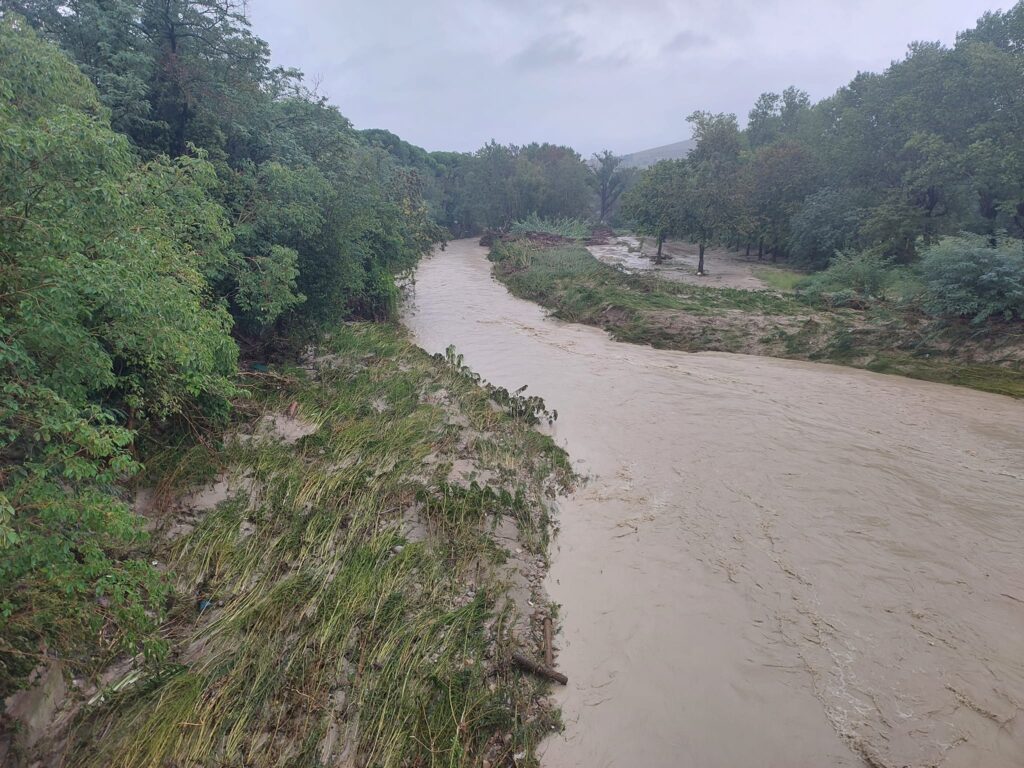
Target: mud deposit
point(774, 563)
point(724, 269)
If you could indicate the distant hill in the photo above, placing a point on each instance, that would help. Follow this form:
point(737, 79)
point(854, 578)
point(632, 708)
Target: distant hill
point(648, 157)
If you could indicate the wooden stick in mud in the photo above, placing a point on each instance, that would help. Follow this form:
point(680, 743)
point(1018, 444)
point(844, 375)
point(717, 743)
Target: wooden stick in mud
point(539, 669)
point(549, 651)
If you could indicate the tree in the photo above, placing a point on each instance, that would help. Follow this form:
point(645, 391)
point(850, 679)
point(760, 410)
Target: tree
point(708, 193)
point(566, 189)
point(763, 120)
point(774, 182)
point(775, 116)
point(653, 203)
point(827, 222)
point(107, 324)
point(610, 179)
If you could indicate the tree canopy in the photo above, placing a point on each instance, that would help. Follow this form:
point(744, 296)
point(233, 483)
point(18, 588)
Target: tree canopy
point(164, 194)
point(892, 162)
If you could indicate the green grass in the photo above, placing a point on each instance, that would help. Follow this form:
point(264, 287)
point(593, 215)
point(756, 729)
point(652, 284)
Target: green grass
point(987, 378)
point(780, 279)
point(327, 622)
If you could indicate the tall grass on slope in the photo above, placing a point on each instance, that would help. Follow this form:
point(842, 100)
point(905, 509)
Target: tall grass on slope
point(573, 229)
point(348, 606)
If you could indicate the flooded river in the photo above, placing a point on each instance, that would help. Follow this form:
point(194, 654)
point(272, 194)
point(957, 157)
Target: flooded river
point(773, 563)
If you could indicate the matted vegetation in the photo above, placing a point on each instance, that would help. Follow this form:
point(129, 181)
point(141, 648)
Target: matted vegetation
point(349, 598)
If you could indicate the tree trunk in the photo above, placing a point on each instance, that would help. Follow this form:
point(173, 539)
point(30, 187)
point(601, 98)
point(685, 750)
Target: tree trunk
point(748, 249)
point(538, 669)
point(760, 249)
point(661, 241)
point(700, 259)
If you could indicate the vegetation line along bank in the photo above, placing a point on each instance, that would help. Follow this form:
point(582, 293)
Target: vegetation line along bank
point(884, 335)
point(324, 563)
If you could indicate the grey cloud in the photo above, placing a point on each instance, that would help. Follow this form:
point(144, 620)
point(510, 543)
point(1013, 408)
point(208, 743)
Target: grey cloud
point(620, 58)
point(687, 40)
point(549, 51)
point(451, 74)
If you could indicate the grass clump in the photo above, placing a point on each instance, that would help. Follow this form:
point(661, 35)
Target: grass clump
point(348, 600)
point(570, 228)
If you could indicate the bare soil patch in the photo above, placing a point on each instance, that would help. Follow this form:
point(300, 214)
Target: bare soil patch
point(723, 268)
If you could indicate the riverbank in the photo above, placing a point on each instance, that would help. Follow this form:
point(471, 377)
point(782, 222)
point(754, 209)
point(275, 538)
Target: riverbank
point(351, 565)
point(646, 309)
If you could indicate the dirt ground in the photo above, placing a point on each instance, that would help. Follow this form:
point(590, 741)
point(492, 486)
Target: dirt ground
point(724, 269)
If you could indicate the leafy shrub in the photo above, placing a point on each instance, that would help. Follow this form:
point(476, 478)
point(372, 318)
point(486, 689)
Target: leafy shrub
point(863, 274)
point(573, 229)
point(974, 276)
point(855, 280)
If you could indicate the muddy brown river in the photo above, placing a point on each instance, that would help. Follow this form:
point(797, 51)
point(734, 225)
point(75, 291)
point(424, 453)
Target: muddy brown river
point(773, 563)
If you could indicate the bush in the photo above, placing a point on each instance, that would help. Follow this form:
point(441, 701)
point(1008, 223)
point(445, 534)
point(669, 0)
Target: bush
point(864, 275)
point(974, 276)
point(855, 280)
point(106, 324)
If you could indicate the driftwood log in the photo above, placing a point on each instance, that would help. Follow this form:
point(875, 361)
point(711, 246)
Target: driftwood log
point(539, 669)
point(549, 651)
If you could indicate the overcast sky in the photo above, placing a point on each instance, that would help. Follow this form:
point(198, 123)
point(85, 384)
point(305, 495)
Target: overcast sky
point(594, 74)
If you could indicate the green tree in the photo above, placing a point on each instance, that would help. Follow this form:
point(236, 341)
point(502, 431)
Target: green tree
point(709, 192)
point(827, 222)
point(610, 179)
point(107, 324)
point(653, 203)
point(774, 181)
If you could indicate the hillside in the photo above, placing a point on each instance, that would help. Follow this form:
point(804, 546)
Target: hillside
point(648, 157)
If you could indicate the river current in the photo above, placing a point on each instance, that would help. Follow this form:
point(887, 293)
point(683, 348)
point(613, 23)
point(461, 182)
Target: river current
point(772, 563)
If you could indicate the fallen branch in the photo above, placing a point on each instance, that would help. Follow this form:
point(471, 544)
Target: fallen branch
point(539, 669)
point(549, 651)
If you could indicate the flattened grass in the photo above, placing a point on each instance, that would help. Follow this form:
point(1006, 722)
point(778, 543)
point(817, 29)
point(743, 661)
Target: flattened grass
point(311, 625)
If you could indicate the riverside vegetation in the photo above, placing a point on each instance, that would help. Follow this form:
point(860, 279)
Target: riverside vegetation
point(353, 588)
point(329, 550)
point(908, 323)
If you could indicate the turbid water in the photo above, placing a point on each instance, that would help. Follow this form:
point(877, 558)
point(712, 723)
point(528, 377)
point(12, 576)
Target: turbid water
point(773, 563)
